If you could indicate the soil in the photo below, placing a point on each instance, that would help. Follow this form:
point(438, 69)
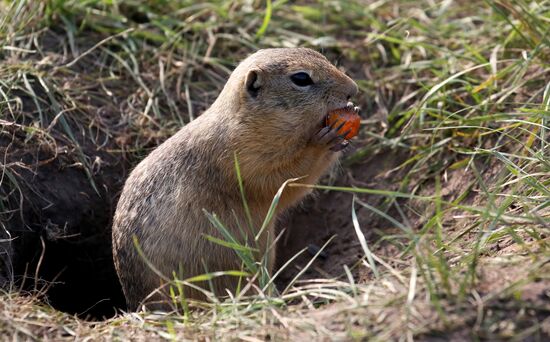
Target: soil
point(326, 215)
point(60, 234)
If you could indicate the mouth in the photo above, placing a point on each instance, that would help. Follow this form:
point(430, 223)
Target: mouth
point(349, 108)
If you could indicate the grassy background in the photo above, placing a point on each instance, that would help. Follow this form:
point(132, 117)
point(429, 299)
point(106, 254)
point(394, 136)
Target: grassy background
point(459, 90)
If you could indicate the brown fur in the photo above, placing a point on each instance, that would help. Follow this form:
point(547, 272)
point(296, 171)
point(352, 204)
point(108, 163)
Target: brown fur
point(163, 199)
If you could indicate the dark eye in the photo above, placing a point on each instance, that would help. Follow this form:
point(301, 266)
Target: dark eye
point(301, 79)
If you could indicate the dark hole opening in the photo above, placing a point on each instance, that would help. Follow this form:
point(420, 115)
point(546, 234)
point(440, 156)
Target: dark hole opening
point(75, 276)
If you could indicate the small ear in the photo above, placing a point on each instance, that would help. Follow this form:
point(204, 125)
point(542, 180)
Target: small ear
point(253, 82)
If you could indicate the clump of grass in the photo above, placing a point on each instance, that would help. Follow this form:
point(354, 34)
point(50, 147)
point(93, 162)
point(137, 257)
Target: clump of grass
point(460, 89)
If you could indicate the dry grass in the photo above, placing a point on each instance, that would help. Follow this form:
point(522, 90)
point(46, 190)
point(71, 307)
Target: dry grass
point(459, 88)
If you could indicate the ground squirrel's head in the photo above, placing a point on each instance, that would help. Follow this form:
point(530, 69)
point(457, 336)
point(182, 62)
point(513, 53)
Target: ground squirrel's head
point(290, 89)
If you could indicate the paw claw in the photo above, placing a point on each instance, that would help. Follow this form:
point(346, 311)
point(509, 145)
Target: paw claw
point(329, 136)
point(339, 147)
point(340, 127)
point(343, 135)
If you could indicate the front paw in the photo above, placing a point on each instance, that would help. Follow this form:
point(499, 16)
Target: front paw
point(328, 136)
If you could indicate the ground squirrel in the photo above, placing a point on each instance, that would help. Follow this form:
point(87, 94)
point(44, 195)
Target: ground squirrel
point(270, 114)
